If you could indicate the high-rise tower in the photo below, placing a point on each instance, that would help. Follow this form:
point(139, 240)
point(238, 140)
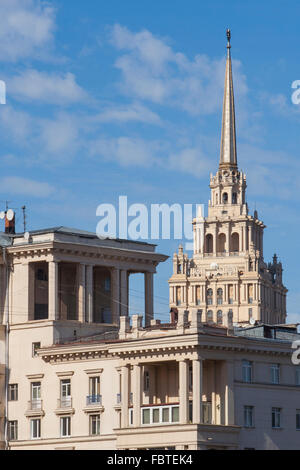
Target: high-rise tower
point(227, 272)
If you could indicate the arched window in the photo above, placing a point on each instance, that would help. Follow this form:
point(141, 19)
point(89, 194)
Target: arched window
point(209, 296)
point(209, 243)
point(225, 198)
point(221, 243)
point(235, 241)
point(219, 317)
point(219, 296)
point(209, 316)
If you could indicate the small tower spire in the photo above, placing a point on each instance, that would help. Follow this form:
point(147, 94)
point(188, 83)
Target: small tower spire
point(228, 158)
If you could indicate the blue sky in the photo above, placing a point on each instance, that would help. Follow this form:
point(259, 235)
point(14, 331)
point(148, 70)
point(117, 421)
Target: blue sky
point(124, 98)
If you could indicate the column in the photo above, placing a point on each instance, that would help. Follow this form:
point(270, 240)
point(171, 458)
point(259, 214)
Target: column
point(183, 392)
point(148, 298)
point(213, 394)
point(115, 295)
point(89, 293)
point(53, 290)
point(124, 293)
point(215, 241)
point(197, 391)
point(31, 293)
point(229, 394)
point(124, 396)
point(81, 292)
point(137, 380)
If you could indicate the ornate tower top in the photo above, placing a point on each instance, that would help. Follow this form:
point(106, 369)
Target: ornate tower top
point(228, 158)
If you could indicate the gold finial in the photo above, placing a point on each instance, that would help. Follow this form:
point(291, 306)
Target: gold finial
point(228, 34)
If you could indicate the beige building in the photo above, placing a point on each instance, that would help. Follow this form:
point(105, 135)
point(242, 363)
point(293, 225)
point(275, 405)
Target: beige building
point(78, 372)
point(227, 269)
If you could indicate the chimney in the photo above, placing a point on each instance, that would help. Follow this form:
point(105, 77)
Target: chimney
point(10, 226)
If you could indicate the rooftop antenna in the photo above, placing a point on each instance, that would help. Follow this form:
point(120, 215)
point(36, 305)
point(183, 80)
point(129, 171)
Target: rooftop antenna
point(24, 217)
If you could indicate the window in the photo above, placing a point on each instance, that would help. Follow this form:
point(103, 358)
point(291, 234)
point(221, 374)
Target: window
point(94, 425)
point(146, 381)
point(35, 347)
point(219, 296)
point(247, 371)
point(250, 293)
point(275, 373)
point(248, 416)
point(178, 295)
point(225, 198)
point(297, 375)
point(13, 430)
point(94, 389)
point(35, 428)
point(298, 420)
point(276, 415)
point(41, 274)
point(65, 392)
point(230, 293)
point(198, 295)
point(250, 313)
point(13, 392)
point(65, 426)
point(190, 378)
point(210, 318)
point(160, 415)
point(219, 317)
point(35, 390)
point(179, 269)
point(107, 284)
point(209, 295)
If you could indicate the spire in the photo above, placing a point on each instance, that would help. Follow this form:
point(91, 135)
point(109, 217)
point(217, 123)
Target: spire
point(228, 158)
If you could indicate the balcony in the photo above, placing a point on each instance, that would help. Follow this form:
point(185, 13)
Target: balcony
point(93, 404)
point(65, 406)
point(35, 408)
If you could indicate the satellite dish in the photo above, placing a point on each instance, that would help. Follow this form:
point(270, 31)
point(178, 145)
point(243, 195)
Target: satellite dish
point(27, 236)
point(252, 321)
point(2, 215)
point(10, 214)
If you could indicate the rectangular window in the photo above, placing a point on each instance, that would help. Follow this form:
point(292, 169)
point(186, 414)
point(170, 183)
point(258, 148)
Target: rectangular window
point(146, 381)
point(35, 348)
point(65, 392)
point(298, 420)
point(230, 293)
point(247, 371)
point(250, 313)
point(248, 417)
point(197, 295)
point(250, 293)
point(178, 295)
point(275, 373)
point(35, 391)
point(94, 425)
point(13, 392)
point(94, 386)
point(276, 418)
point(35, 428)
point(13, 430)
point(65, 426)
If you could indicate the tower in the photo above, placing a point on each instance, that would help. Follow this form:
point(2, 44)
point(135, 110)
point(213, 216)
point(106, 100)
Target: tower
point(227, 272)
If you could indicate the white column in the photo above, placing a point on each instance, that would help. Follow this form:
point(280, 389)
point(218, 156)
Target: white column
point(81, 292)
point(89, 293)
point(183, 392)
point(229, 394)
point(124, 293)
point(148, 298)
point(124, 396)
point(197, 391)
point(53, 290)
point(137, 380)
point(115, 295)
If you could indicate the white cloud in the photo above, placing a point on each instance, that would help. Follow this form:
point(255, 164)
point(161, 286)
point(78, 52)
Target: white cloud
point(46, 88)
point(26, 28)
point(17, 124)
point(190, 160)
point(59, 136)
point(126, 151)
point(152, 71)
point(132, 112)
point(26, 187)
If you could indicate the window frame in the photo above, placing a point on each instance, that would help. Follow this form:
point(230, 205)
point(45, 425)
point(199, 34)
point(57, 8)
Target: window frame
point(249, 413)
point(65, 419)
point(12, 391)
point(247, 371)
point(276, 413)
point(37, 430)
point(95, 417)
